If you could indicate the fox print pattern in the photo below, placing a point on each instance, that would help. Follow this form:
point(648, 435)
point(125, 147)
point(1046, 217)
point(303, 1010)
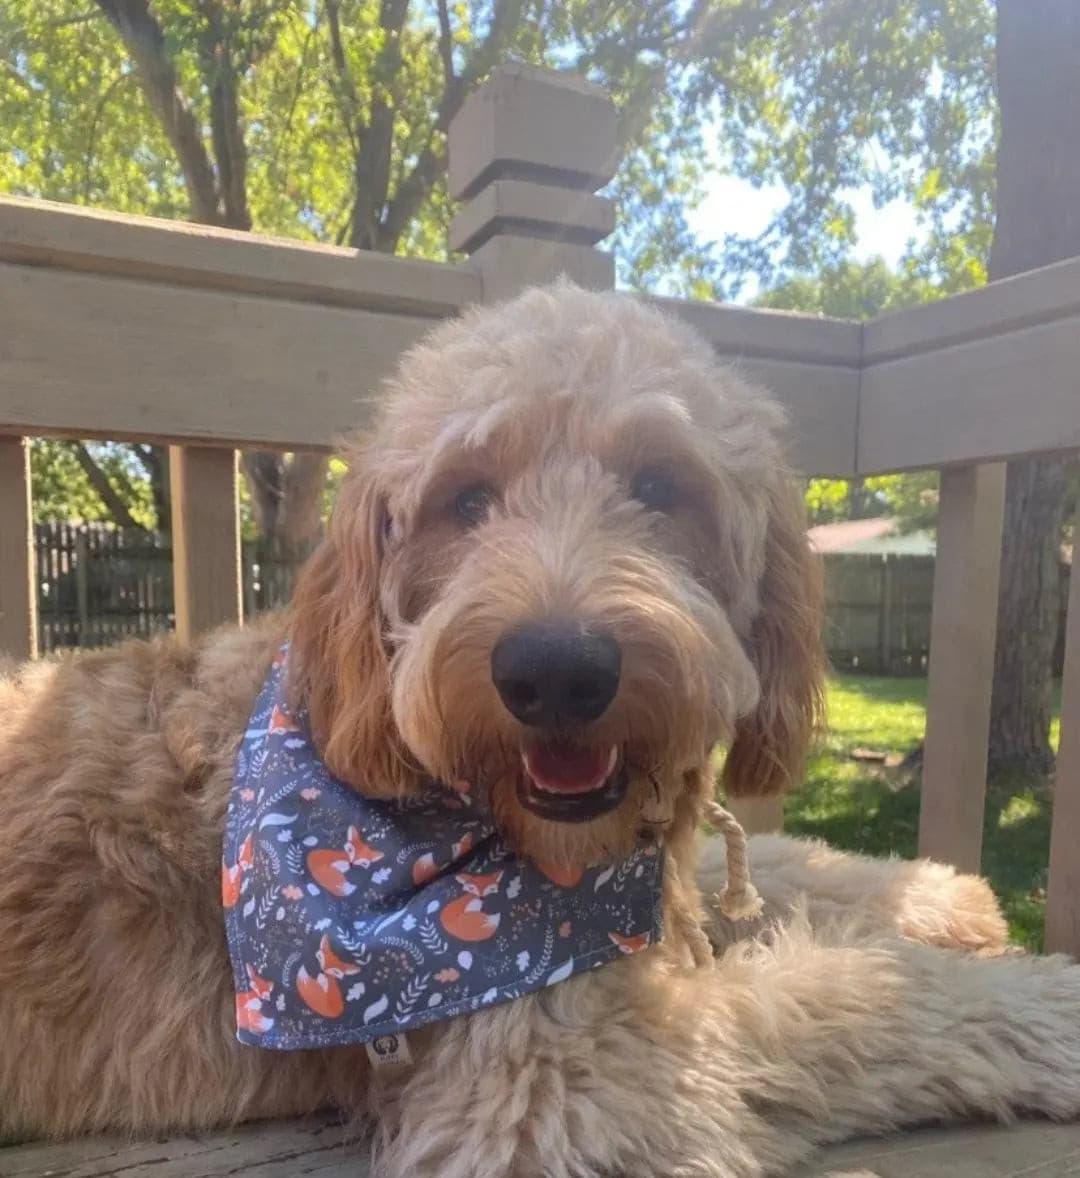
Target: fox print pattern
point(329, 869)
point(350, 917)
point(465, 917)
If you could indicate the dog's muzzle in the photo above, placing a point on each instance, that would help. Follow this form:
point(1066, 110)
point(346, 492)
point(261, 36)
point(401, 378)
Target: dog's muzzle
point(557, 678)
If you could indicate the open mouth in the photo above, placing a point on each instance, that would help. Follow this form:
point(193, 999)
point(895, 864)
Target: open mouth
point(567, 782)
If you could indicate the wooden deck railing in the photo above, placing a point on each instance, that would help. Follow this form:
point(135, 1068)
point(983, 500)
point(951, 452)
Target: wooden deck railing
point(130, 328)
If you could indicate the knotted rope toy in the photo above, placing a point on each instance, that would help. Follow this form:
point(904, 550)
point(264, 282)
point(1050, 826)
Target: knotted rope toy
point(738, 901)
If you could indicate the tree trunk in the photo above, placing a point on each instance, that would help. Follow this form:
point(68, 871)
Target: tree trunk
point(1038, 222)
point(286, 497)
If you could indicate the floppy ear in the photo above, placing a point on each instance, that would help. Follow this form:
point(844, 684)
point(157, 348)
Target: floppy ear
point(339, 665)
point(768, 753)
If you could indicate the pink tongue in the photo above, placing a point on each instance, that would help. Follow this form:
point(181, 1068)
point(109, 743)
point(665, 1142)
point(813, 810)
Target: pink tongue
point(568, 769)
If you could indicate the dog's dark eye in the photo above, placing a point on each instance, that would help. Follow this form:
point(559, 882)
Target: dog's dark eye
point(655, 490)
point(472, 503)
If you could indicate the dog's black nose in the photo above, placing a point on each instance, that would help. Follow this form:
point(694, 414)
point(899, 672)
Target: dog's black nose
point(551, 674)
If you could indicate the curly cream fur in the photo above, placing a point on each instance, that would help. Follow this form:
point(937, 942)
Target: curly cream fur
point(844, 1014)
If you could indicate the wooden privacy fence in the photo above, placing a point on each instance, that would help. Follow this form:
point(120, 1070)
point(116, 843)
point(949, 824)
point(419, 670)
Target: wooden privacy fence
point(205, 339)
point(878, 610)
point(97, 584)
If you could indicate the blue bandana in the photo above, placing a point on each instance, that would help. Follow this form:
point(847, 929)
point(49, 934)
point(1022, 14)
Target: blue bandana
point(349, 919)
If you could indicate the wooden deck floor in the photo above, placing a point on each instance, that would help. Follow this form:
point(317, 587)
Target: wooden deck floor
point(317, 1147)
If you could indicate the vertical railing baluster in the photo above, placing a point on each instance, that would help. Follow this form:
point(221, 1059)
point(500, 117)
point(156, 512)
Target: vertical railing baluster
point(206, 538)
point(1063, 890)
point(962, 632)
point(18, 592)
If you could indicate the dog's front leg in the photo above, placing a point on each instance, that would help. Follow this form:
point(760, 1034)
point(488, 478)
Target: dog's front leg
point(740, 1070)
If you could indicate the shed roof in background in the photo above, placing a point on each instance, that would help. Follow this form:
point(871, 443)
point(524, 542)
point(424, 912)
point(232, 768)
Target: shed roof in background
point(879, 536)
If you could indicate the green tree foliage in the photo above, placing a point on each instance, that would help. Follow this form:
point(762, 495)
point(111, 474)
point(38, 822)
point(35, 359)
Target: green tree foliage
point(326, 120)
point(860, 290)
point(63, 488)
point(832, 95)
point(852, 290)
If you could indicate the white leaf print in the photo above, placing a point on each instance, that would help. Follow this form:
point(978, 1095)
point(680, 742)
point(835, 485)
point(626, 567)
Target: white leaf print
point(490, 995)
point(284, 836)
point(280, 1003)
point(311, 841)
point(513, 887)
point(523, 961)
point(280, 914)
point(434, 1000)
point(603, 877)
point(561, 974)
point(464, 959)
point(638, 870)
point(380, 876)
point(294, 742)
point(409, 922)
point(375, 1009)
point(354, 991)
point(321, 924)
point(313, 889)
point(432, 907)
point(391, 919)
point(249, 907)
point(278, 820)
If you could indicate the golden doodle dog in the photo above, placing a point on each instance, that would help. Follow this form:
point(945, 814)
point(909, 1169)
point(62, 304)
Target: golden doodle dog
point(566, 564)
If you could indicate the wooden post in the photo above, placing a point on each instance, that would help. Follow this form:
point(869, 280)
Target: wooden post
point(18, 592)
point(205, 538)
point(528, 150)
point(1063, 891)
point(962, 631)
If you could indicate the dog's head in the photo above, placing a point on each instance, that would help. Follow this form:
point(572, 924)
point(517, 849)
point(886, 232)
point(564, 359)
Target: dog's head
point(566, 564)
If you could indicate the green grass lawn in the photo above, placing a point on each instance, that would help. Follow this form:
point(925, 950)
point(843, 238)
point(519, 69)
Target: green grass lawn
point(867, 807)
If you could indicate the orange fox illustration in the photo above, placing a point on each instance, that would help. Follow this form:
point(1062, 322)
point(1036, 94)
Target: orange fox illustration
point(465, 917)
point(630, 945)
point(329, 869)
point(249, 1015)
point(281, 721)
point(426, 867)
point(232, 878)
point(323, 992)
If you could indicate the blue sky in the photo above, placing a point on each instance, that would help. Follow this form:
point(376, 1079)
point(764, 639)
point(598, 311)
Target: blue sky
point(736, 206)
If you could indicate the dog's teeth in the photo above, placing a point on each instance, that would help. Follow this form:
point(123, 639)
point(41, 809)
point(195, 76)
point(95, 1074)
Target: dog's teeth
point(613, 758)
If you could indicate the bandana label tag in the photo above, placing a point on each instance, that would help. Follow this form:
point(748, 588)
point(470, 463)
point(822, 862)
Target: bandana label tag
point(389, 1051)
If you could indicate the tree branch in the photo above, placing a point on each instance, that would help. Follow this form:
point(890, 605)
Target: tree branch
point(91, 138)
point(99, 480)
point(504, 24)
point(145, 42)
point(415, 187)
point(20, 78)
point(446, 43)
point(372, 168)
point(283, 142)
point(220, 69)
point(346, 89)
point(410, 195)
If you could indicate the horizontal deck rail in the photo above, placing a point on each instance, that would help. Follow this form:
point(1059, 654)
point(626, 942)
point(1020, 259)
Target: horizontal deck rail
point(205, 339)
